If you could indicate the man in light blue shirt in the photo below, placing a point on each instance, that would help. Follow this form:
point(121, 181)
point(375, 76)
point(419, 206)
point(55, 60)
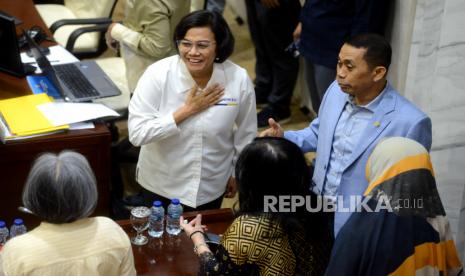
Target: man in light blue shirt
point(353, 121)
point(359, 108)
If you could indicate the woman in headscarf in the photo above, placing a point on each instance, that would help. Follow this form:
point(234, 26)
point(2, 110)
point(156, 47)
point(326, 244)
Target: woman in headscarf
point(408, 234)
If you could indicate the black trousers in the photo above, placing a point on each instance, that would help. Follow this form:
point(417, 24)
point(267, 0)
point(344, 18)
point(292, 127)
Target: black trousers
point(150, 197)
point(271, 31)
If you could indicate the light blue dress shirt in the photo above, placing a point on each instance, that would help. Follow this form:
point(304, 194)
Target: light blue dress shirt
point(353, 121)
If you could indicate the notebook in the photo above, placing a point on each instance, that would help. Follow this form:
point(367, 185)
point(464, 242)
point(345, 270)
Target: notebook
point(10, 59)
point(77, 81)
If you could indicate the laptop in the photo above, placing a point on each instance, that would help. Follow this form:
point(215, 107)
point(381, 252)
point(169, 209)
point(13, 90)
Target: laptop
point(76, 82)
point(10, 59)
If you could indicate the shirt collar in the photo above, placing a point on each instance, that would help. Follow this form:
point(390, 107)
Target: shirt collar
point(371, 106)
point(187, 82)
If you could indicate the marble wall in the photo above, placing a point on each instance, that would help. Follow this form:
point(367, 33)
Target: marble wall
point(399, 32)
point(428, 38)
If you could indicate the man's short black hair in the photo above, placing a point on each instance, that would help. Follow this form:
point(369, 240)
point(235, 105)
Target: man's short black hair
point(378, 49)
point(215, 21)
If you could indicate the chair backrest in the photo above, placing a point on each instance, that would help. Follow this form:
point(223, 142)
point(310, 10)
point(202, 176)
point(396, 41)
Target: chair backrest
point(85, 43)
point(90, 8)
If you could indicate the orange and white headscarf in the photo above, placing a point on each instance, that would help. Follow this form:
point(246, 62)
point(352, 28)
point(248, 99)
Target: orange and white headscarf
point(414, 236)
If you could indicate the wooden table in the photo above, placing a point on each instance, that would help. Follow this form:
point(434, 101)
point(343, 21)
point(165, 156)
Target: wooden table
point(16, 157)
point(175, 255)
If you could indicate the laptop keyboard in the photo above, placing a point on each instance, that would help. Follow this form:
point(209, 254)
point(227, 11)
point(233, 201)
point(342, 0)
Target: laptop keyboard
point(70, 75)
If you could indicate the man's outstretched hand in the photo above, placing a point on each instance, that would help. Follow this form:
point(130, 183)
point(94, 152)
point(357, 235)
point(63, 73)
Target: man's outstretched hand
point(274, 130)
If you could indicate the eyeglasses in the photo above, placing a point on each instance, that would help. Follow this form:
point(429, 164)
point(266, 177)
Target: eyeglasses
point(199, 45)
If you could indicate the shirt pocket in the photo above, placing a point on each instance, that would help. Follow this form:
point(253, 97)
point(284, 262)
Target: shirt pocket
point(221, 117)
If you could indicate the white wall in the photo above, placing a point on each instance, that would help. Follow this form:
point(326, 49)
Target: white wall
point(428, 39)
point(399, 32)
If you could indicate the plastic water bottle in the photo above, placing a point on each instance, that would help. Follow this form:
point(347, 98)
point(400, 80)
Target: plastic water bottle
point(157, 220)
point(18, 228)
point(4, 233)
point(172, 219)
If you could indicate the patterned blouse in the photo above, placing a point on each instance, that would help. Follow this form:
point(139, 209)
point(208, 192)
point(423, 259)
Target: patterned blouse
point(258, 246)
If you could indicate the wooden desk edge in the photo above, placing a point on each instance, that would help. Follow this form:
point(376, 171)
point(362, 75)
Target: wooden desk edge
point(208, 216)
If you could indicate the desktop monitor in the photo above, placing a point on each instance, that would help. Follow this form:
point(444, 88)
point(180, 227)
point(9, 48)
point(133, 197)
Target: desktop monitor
point(10, 59)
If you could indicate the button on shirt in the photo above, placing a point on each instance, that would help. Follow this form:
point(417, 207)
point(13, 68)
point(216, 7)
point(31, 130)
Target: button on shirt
point(191, 161)
point(351, 124)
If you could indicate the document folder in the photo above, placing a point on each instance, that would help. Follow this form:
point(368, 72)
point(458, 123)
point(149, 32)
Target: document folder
point(22, 118)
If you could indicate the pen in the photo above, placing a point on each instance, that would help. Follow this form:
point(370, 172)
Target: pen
point(227, 104)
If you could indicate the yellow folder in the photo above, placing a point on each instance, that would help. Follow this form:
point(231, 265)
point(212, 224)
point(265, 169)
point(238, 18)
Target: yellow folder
point(23, 118)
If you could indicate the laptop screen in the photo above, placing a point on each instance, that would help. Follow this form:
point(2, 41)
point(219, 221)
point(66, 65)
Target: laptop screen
point(10, 59)
point(44, 64)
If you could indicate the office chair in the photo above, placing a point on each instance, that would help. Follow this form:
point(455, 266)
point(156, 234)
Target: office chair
point(115, 68)
point(73, 24)
point(124, 156)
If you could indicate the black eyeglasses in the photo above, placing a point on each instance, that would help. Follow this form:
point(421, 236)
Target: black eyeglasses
point(199, 45)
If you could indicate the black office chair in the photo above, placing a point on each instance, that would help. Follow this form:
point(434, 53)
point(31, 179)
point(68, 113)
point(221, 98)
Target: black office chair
point(79, 25)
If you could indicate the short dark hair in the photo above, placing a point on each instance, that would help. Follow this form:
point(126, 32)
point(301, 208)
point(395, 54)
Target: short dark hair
point(61, 188)
point(275, 166)
point(215, 21)
point(270, 166)
point(378, 49)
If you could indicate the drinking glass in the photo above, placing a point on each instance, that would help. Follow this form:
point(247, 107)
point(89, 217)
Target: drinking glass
point(140, 222)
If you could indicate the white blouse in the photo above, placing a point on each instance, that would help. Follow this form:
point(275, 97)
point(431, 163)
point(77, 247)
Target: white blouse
point(191, 161)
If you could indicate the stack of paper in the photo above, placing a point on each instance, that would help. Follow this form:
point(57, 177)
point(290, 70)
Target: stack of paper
point(59, 113)
point(22, 119)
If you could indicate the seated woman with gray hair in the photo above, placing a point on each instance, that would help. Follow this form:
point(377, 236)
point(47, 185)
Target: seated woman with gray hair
point(61, 190)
